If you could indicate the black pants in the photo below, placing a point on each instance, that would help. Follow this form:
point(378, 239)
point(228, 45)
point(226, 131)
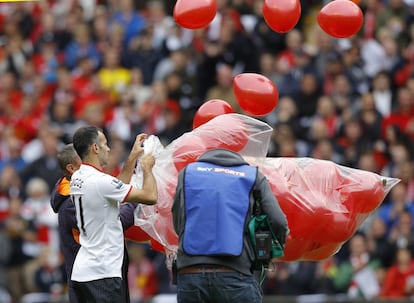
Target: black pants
point(109, 290)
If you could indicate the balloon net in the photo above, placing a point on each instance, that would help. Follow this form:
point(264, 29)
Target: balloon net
point(325, 203)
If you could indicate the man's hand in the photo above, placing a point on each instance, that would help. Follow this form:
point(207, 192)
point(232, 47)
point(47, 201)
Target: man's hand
point(138, 149)
point(147, 162)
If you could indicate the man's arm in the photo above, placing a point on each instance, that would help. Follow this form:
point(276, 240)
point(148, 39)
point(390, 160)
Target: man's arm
point(130, 163)
point(271, 207)
point(148, 194)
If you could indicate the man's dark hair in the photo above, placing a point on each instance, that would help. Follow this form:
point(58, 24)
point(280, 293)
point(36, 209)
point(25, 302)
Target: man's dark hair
point(66, 156)
point(83, 138)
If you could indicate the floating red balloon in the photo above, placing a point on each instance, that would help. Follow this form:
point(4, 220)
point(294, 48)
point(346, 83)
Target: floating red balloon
point(281, 15)
point(194, 14)
point(340, 18)
point(255, 93)
point(189, 149)
point(211, 109)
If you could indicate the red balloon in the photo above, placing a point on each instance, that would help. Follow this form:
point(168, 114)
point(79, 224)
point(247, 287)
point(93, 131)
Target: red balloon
point(224, 131)
point(324, 176)
point(137, 234)
point(194, 14)
point(255, 93)
point(281, 15)
point(189, 149)
point(362, 191)
point(210, 110)
point(322, 252)
point(340, 18)
point(295, 248)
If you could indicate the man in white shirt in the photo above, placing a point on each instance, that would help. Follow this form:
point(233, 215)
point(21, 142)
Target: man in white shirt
point(96, 274)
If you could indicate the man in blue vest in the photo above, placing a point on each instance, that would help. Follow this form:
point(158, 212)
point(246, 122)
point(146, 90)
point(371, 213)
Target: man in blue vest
point(212, 206)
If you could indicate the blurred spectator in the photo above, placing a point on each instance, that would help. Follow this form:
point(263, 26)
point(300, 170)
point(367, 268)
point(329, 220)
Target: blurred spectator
point(379, 245)
point(46, 166)
point(306, 98)
point(396, 9)
point(50, 274)
point(326, 270)
point(5, 255)
point(382, 93)
point(12, 155)
point(353, 68)
point(343, 94)
point(401, 234)
point(369, 117)
point(21, 267)
point(286, 112)
point(403, 112)
point(224, 88)
point(325, 149)
point(399, 278)
point(151, 120)
point(81, 46)
point(405, 172)
point(391, 212)
point(18, 52)
point(141, 274)
point(12, 93)
point(173, 126)
point(267, 64)
point(47, 60)
point(367, 161)
point(131, 21)
point(47, 30)
point(356, 276)
point(142, 54)
point(284, 143)
point(36, 209)
point(326, 110)
point(352, 142)
point(399, 154)
point(114, 78)
point(294, 45)
point(159, 22)
point(295, 278)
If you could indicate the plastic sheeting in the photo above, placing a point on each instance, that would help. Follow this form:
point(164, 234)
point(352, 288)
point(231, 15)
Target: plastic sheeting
point(324, 202)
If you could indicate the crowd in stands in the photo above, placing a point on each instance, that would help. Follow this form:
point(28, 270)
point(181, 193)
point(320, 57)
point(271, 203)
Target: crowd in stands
point(127, 67)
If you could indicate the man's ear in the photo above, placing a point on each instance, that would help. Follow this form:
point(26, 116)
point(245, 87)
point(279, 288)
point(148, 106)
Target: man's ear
point(70, 168)
point(95, 148)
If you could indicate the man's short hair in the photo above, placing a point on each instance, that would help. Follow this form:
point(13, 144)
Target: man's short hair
point(65, 156)
point(83, 138)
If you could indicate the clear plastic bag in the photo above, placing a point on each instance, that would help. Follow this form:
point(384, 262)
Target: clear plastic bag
point(324, 202)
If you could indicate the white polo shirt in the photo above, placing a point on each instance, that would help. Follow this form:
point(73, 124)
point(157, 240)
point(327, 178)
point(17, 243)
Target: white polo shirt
point(96, 196)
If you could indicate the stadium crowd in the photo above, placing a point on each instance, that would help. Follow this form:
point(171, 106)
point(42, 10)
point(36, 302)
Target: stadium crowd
point(127, 67)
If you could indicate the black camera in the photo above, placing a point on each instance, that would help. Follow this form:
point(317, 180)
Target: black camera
point(263, 247)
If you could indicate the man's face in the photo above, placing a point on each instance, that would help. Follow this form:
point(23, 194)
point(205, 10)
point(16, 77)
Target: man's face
point(103, 154)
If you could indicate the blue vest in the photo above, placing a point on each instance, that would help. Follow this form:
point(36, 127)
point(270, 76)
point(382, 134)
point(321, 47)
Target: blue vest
point(216, 200)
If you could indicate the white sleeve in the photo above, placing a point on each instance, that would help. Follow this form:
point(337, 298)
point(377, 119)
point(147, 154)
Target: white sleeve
point(114, 189)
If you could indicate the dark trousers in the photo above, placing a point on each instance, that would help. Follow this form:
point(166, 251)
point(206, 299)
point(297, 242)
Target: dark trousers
point(218, 287)
point(109, 290)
